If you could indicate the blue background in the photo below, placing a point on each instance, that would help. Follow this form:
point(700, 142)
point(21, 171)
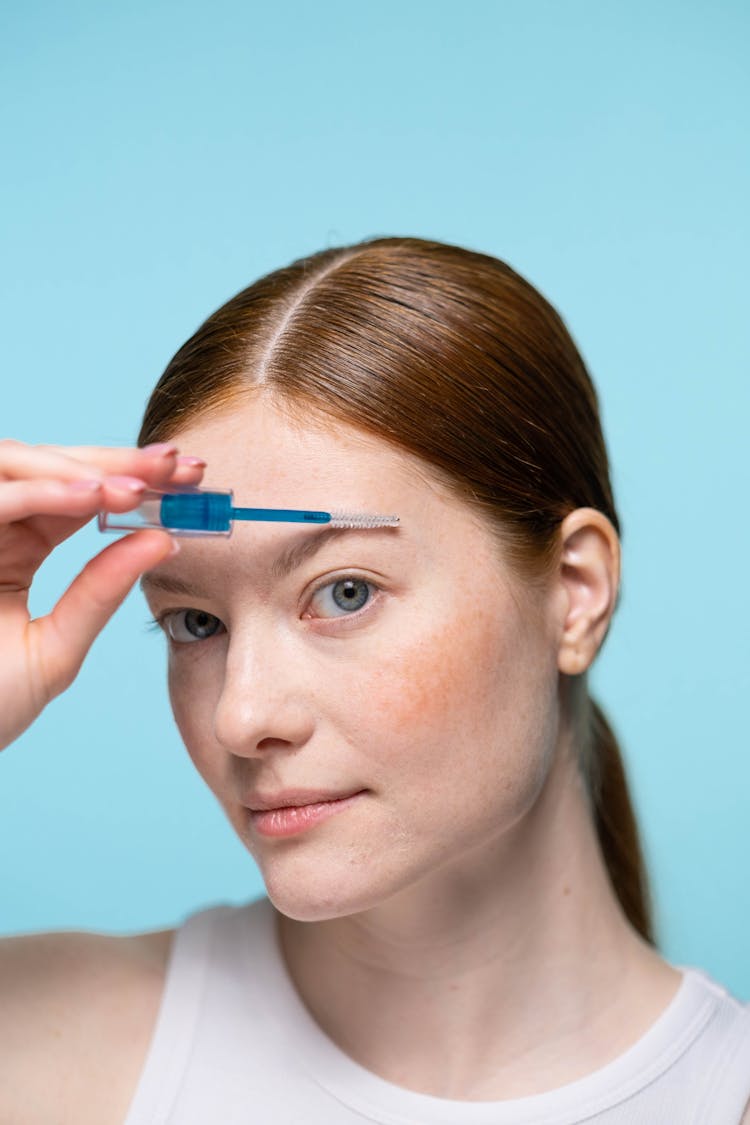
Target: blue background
point(158, 157)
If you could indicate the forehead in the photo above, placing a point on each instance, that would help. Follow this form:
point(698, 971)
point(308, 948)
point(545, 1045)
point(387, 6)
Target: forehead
point(273, 458)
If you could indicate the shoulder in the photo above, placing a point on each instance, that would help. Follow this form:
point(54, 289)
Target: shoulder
point(69, 997)
point(727, 1042)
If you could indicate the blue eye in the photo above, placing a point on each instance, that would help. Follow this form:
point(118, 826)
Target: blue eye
point(338, 599)
point(184, 626)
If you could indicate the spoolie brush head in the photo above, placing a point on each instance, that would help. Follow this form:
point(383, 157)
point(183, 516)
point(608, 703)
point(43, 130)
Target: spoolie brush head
point(361, 520)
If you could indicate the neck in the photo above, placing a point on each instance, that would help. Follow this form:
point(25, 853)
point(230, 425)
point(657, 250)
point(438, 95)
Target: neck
point(501, 975)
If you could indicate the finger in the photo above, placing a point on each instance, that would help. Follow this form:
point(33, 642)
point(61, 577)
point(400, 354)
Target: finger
point(114, 458)
point(188, 470)
point(20, 461)
point(20, 499)
point(61, 640)
point(156, 464)
point(153, 464)
point(78, 499)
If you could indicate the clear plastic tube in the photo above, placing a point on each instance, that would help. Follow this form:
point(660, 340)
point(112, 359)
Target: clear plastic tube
point(187, 512)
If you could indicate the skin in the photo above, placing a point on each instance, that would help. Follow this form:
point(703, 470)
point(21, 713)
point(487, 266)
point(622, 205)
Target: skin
point(453, 929)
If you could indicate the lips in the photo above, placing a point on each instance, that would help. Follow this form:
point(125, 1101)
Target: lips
point(292, 819)
point(294, 798)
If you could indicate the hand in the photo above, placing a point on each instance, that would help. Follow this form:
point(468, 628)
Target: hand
point(47, 493)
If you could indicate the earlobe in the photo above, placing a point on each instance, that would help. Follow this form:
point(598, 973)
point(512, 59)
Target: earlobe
point(589, 574)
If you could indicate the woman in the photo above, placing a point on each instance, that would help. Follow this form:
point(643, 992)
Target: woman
point(396, 722)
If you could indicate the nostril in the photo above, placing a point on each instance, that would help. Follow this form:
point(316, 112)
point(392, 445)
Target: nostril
point(273, 743)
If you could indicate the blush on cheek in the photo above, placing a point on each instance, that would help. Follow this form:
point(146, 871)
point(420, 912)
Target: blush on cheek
point(450, 674)
point(466, 704)
point(415, 688)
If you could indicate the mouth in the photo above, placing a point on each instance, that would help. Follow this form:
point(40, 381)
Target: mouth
point(289, 819)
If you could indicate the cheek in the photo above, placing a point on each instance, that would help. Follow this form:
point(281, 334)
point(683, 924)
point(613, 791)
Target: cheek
point(476, 687)
point(461, 725)
point(420, 685)
point(193, 698)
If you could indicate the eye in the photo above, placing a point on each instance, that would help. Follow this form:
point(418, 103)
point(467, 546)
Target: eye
point(183, 626)
point(341, 598)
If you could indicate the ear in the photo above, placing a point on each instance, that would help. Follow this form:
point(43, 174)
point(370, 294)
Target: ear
point(589, 577)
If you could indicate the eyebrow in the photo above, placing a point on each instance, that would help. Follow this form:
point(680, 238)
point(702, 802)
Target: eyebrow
point(282, 566)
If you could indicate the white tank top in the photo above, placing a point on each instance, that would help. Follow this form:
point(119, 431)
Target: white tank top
point(233, 1043)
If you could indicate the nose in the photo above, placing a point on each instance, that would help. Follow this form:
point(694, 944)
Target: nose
point(265, 701)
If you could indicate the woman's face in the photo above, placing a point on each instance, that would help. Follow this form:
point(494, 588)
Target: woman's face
point(408, 666)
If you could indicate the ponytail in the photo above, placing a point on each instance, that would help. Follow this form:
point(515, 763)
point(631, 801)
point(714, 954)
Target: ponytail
point(616, 825)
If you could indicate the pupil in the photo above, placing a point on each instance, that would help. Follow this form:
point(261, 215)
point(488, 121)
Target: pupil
point(200, 623)
point(350, 594)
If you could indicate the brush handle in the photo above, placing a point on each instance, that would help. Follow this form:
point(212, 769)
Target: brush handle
point(199, 512)
point(187, 512)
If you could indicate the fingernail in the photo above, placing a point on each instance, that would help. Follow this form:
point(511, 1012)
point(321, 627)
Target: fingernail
point(128, 484)
point(175, 549)
point(84, 485)
point(193, 462)
point(160, 448)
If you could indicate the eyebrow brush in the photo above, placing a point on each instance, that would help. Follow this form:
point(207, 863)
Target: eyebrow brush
point(197, 511)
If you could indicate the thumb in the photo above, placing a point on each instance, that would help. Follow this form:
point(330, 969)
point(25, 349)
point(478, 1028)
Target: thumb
point(62, 639)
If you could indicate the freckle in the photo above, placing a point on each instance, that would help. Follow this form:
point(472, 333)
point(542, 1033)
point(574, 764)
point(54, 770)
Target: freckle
point(566, 890)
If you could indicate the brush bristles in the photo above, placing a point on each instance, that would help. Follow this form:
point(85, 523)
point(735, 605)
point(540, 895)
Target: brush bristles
point(359, 519)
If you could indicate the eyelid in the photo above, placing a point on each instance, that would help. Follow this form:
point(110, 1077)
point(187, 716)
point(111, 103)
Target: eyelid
point(158, 621)
point(332, 580)
point(362, 574)
point(161, 619)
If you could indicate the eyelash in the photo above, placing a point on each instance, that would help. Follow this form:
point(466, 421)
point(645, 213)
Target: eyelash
point(158, 623)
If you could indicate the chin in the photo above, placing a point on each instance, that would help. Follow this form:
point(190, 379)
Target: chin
point(305, 905)
point(321, 891)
